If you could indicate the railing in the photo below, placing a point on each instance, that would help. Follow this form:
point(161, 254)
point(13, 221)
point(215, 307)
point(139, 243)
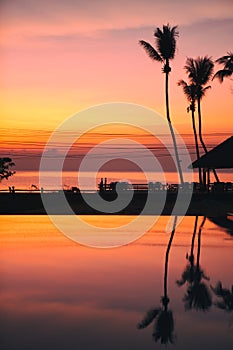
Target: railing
point(216, 187)
point(158, 187)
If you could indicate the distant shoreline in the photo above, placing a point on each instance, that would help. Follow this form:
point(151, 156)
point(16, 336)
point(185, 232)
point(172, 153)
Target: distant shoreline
point(209, 204)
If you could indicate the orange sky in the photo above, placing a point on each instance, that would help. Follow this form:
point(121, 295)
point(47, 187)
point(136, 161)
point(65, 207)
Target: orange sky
point(59, 57)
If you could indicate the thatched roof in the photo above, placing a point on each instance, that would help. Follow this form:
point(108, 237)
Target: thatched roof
point(220, 157)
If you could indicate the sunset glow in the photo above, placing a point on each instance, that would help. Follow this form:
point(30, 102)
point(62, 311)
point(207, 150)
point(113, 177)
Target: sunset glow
point(116, 183)
point(60, 57)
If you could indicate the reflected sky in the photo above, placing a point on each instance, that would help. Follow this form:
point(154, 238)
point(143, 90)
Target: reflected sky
point(57, 294)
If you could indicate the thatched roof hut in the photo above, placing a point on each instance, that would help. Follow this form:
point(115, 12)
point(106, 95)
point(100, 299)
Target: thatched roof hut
point(220, 157)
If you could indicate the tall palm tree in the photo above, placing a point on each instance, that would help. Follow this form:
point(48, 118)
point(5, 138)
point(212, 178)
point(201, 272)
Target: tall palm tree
point(163, 317)
point(227, 71)
point(200, 71)
point(165, 42)
point(190, 93)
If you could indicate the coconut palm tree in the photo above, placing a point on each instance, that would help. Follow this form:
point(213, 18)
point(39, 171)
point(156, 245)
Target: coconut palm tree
point(161, 315)
point(200, 71)
point(165, 42)
point(198, 295)
point(5, 165)
point(190, 93)
point(190, 272)
point(227, 71)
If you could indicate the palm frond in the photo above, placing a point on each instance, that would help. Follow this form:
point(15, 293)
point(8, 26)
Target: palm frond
point(202, 91)
point(206, 69)
point(226, 295)
point(149, 317)
point(188, 275)
point(5, 164)
point(164, 328)
point(152, 53)
point(166, 41)
point(225, 59)
point(190, 68)
point(198, 297)
point(182, 83)
point(199, 70)
point(221, 305)
point(223, 73)
point(227, 71)
point(190, 91)
point(218, 289)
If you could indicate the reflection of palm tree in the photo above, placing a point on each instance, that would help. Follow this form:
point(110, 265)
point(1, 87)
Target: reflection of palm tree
point(164, 322)
point(188, 274)
point(227, 71)
point(200, 71)
point(190, 93)
point(165, 41)
point(226, 296)
point(198, 295)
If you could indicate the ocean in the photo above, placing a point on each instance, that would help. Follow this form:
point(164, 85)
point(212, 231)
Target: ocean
point(25, 179)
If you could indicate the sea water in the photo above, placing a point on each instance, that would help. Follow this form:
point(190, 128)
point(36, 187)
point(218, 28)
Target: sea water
point(58, 294)
point(29, 180)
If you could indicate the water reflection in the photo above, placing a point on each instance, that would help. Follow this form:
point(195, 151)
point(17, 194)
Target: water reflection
point(198, 294)
point(225, 222)
point(56, 294)
point(162, 316)
point(225, 297)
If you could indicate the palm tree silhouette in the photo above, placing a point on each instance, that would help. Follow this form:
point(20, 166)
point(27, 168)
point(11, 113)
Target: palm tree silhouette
point(200, 71)
point(188, 273)
point(190, 93)
point(165, 41)
point(198, 295)
point(226, 296)
point(5, 165)
point(227, 71)
point(161, 315)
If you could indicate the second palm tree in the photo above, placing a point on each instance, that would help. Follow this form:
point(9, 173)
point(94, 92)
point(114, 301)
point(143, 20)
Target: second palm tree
point(200, 71)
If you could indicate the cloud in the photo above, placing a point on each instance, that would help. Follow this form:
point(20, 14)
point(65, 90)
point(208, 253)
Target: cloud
point(68, 22)
point(104, 14)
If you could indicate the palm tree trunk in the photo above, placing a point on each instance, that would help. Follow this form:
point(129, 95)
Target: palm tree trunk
point(200, 134)
point(196, 143)
point(167, 256)
point(194, 235)
point(172, 131)
point(199, 242)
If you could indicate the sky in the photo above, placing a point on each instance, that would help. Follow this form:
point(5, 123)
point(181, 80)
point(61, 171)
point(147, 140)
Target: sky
point(59, 57)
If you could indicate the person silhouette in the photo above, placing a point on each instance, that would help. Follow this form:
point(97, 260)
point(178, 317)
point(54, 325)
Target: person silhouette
point(101, 185)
